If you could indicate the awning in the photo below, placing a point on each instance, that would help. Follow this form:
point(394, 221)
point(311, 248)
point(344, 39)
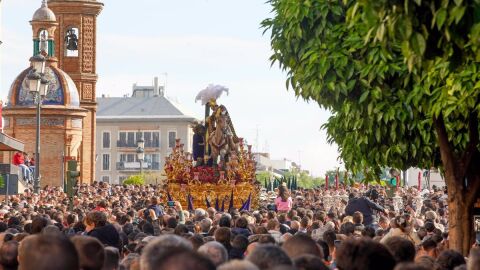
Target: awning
point(8, 143)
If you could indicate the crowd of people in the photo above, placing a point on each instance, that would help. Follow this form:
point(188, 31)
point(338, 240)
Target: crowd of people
point(133, 227)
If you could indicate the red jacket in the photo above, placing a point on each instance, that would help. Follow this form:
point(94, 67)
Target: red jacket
point(18, 159)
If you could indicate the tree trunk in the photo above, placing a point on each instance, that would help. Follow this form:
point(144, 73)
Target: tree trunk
point(460, 232)
point(462, 177)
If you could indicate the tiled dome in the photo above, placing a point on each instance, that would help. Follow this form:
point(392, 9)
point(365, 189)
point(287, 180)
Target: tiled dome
point(61, 90)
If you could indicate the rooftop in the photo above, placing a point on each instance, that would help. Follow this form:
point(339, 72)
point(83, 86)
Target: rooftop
point(136, 108)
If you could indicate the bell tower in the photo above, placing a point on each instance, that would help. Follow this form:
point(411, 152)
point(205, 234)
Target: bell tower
point(75, 48)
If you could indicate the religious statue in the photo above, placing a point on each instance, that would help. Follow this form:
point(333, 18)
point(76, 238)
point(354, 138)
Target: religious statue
point(221, 138)
point(43, 42)
point(198, 148)
point(71, 40)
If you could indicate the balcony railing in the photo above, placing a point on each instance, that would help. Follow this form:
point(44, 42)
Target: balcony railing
point(134, 145)
point(135, 166)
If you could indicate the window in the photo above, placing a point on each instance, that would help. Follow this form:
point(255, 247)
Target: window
point(128, 157)
point(155, 161)
point(106, 140)
point(156, 139)
point(71, 42)
point(131, 139)
point(121, 179)
point(122, 142)
point(172, 136)
point(147, 136)
point(106, 178)
point(106, 162)
point(138, 135)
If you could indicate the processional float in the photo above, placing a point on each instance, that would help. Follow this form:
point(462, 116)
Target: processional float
point(220, 171)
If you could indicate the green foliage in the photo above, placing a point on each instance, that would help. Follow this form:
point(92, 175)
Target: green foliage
point(386, 70)
point(262, 176)
point(2, 182)
point(304, 180)
point(135, 180)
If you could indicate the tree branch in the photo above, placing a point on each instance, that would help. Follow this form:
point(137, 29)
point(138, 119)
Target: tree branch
point(446, 151)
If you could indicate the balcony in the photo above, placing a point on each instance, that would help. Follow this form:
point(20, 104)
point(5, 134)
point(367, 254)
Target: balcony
point(148, 144)
point(135, 166)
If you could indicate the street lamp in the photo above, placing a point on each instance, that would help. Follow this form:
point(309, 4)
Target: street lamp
point(38, 87)
point(141, 152)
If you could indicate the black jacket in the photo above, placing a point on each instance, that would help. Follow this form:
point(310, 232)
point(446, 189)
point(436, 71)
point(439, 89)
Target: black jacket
point(108, 235)
point(365, 206)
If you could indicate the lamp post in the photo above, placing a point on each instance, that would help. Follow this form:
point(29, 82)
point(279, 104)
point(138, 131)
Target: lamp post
point(141, 152)
point(38, 86)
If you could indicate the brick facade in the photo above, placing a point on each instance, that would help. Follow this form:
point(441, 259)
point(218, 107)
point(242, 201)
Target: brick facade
point(82, 68)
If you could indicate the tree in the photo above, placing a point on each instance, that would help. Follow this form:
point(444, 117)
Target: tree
point(304, 180)
point(401, 81)
point(135, 180)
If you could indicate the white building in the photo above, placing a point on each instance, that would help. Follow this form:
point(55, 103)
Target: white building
point(121, 121)
point(436, 179)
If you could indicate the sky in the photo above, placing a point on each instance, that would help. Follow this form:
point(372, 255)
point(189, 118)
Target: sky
point(189, 44)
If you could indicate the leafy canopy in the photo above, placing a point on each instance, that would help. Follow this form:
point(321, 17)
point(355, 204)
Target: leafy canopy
point(385, 69)
point(138, 180)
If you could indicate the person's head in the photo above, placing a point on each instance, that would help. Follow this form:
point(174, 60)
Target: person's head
point(364, 255)
point(215, 251)
point(347, 228)
point(112, 259)
point(130, 260)
point(425, 261)
point(267, 256)
point(38, 223)
point(410, 266)
point(283, 193)
point(330, 237)
point(402, 249)
point(206, 225)
point(8, 255)
point(240, 242)
point(301, 244)
point(179, 259)
point(357, 217)
point(402, 223)
point(154, 200)
point(148, 228)
point(474, 258)
point(241, 222)
point(172, 223)
point(309, 262)
point(196, 240)
point(223, 235)
point(47, 252)
point(96, 219)
point(181, 229)
point(90, 252)
point(225, 221)
point(273, 224)
point(238, 265)
point(448, 260)
point(155, 249)
point(384, 222)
